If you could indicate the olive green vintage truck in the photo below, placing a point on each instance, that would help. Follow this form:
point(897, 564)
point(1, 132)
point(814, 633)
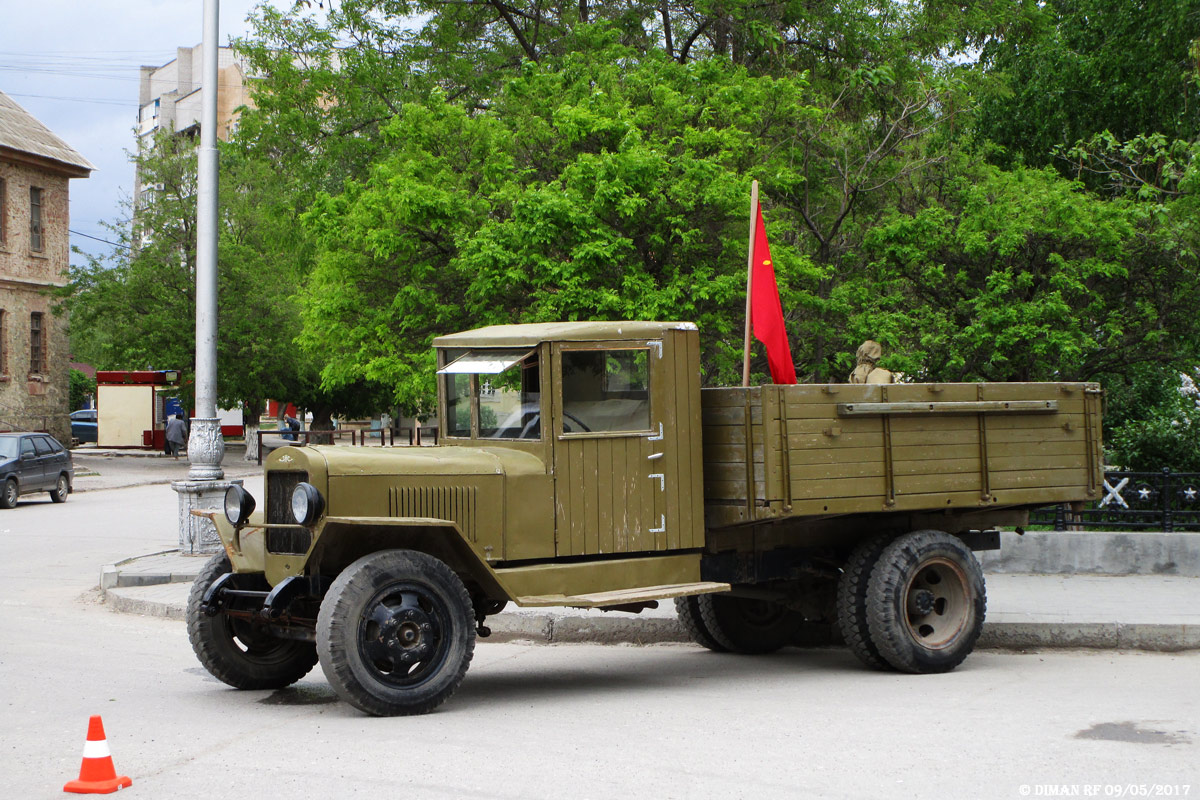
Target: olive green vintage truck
point(581, 464)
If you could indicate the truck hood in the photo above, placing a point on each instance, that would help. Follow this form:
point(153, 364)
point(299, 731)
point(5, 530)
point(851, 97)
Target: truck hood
point(342, 461)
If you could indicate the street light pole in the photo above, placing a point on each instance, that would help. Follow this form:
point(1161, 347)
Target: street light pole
point(205, 488)
point(206, 447)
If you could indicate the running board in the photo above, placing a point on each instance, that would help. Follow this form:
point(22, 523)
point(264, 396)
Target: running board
point(622, 596)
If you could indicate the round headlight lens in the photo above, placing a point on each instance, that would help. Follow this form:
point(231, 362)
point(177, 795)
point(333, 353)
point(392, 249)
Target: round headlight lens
point(239, 505)
point(307, 503)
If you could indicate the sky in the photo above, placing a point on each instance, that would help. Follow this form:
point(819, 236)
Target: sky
point(73, 64)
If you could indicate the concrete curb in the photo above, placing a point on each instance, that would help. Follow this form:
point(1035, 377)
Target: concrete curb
point(555, 627)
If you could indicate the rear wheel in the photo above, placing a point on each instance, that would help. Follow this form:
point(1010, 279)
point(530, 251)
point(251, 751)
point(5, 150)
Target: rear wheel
point(396, 633)
point(692, 622)
point(852, 601)
point(60, 491)
point(241, 653)
point(926, 602)
point(748, 625)
point(10, 494)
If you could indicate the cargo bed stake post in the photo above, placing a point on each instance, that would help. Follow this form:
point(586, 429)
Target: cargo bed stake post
point(985, 487)
point(785, 451)
point(750, 491)
point(889, 470)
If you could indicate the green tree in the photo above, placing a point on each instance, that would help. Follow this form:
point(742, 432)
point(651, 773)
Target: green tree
point(80, 389)
point(1023, 275)
point(593, 188)
point(1082, 67)
point(1152, 420)
point(137, 311)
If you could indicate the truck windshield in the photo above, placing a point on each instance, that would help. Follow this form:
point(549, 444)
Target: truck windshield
point(509, 396)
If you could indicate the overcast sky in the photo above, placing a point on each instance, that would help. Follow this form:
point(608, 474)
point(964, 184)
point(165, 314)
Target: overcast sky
point(73, 64)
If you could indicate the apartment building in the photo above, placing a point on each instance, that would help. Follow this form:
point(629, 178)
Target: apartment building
point(169, 96)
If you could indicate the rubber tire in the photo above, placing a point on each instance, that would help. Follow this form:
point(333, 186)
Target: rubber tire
point(59, 493)
point(11, 494)
point(736, 623)
point(341, 624)
point(898, 566)
point(687, 609)
point(277, 662)
point(852, 601)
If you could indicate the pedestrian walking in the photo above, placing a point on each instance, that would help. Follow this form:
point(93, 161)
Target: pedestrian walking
point(176, 435)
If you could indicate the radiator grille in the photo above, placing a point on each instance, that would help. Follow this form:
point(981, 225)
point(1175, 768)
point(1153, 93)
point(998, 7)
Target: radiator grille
point(455, 503)
point(293, 540)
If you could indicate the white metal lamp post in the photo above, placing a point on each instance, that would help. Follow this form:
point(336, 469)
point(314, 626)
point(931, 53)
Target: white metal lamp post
point(205, 487)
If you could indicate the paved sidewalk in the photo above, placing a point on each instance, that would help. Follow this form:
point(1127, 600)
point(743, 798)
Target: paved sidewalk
point(1137, 612)
point(98, 468)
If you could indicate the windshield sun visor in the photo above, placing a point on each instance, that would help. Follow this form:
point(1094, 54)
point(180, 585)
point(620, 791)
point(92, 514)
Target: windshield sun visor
point(484, 362)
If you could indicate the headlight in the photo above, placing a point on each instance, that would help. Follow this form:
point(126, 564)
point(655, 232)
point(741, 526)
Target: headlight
point(239, 505)
point(307, 503)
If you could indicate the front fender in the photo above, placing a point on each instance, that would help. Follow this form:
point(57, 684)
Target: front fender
point(245, 546)
point(343, 539)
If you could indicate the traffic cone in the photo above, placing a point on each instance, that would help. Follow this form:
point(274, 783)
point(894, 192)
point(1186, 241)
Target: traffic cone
point(97, 774)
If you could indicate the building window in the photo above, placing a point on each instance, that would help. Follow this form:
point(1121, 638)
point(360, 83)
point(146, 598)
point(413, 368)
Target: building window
point(36, 241)
point(37, 344)
point(3, 208)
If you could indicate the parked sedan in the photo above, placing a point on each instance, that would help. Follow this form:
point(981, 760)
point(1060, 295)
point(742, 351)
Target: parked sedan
point(34, 462)
point(84, 425)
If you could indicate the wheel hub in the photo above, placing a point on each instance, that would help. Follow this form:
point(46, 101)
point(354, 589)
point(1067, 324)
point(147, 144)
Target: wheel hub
point(405, 633)
point(922, 600)
point(402, 635)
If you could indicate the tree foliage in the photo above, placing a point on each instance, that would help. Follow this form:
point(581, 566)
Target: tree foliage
point(1020, 275)
point(596, 188)
point(1083, 67)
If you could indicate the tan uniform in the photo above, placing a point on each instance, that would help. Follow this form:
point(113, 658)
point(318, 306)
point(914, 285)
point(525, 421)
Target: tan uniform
point(868, 353)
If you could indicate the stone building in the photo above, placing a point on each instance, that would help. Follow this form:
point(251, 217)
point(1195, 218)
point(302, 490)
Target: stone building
point(35, 170)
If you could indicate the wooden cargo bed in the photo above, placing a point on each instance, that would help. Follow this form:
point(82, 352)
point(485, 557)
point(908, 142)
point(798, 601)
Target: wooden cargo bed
point(817, 450)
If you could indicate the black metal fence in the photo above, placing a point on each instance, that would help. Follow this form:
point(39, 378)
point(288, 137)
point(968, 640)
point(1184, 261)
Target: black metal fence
point(1159, 501)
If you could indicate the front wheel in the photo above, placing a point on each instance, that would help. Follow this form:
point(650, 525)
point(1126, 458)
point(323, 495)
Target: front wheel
point(241, 653)
point(10, 494)
point(60, 491)
point(396, 633)
point(926, 602)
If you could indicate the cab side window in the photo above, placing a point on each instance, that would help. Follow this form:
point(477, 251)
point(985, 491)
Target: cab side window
point(43, 447)
point(27, 448)
point(606, 391)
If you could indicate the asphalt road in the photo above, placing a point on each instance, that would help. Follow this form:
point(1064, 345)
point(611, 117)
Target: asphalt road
point(566, 721)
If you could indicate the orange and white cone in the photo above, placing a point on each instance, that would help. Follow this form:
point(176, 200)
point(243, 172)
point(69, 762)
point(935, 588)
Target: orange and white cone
point(97, 775)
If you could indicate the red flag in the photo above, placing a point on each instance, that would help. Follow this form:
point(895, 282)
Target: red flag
point(766, 313)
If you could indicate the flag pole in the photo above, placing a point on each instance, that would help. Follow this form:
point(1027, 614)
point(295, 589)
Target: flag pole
point(749, 280)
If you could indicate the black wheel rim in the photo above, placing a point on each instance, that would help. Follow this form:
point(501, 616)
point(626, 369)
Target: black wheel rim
point(403, 636)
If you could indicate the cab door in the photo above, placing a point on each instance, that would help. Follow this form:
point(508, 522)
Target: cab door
point(617, 467)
